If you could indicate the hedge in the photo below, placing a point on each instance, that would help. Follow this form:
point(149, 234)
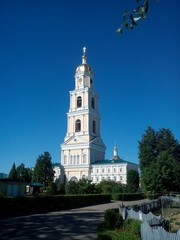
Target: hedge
point(27, 204)
point(127, 196)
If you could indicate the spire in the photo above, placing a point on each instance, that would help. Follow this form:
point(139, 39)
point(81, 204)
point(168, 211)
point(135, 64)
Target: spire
point(115, 153)
point(84, 56)
point(115, 150)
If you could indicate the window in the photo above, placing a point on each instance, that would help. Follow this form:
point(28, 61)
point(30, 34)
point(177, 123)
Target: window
point(92, 103)
point(97, 170)
point(78, 125)
point(114, 169)
point(94, 127)
point(120, 169)
point(79, 102)
point(115, 178)
point(97, 179)
point(84, 158)
point(71, 159)
point(108, 170)
point(74, 159)
point(65, 159)
point(102, 170)
point(121, 178)
point(77, 159)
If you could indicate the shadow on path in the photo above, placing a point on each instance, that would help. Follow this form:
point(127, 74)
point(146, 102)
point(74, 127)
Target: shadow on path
point(54, 225)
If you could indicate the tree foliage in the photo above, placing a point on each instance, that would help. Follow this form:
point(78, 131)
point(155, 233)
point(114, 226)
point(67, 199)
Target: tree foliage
point(109, 187)
point(23, 173)
point(13, 172)
point(130, 18)
point(132, 181)
point(43, 170)
point(147, 148)
point(83, 186)
point(159, 161)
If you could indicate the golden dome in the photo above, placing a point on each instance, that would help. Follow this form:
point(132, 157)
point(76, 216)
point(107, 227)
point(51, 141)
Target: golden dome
point(84, 67)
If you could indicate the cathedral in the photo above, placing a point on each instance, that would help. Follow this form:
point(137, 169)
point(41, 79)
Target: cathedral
point(83, 150)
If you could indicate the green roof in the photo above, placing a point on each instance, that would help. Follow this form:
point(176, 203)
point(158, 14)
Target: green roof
point(35, 184)
point(108, 161)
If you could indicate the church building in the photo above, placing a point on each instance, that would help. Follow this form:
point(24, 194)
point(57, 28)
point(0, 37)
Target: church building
point(83, 150)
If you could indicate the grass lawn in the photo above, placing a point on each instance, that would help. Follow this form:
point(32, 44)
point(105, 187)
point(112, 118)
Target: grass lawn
point(172, 214)
point(129, 231)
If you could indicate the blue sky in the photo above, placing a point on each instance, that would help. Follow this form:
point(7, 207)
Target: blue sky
point(137, 74)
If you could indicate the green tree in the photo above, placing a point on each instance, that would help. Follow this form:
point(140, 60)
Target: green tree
point(85, 186)
point(23, 173)
point(72, 187)
point(163, 175)
point(13, 172)
point(147, 148)
point(43, 170)
point(132, 181)
point(167, 142)
point(109, 186)
point(159, 161)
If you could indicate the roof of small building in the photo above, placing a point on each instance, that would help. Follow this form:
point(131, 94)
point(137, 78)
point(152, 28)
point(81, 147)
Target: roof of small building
point(10, 180)
point(112, 161)
point(35, 184)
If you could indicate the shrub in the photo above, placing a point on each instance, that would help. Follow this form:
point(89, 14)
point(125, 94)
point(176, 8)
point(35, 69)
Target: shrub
point(2, 194)
point(61, 188)
point(125, 235)
point(133, 226)
point(127, 196)
point(113, 218)
point(36, 204)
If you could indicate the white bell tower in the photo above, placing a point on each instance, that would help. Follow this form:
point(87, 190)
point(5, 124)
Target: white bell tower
point(82, 144)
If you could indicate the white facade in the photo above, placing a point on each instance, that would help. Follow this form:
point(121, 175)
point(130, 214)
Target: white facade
point(115, 170)
point(83, 150)
point(82, 144)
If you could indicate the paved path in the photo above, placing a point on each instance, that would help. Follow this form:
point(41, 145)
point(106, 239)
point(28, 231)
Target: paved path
point(79, 224)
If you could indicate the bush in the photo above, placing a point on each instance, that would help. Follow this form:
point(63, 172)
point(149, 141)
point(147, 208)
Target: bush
point(2, 194)
point(127, 196)
point(113, 218)
point(133, 226)
point(61, 188)
point(37, 204)
point(125, 235)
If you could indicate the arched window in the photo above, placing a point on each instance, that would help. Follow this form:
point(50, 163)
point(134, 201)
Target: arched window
point(84, 158)
point(74, 179)
point(94, 127)
point(71, 159)
point(77, 159)
point(92, 103)
point(79, 102)
point(65, 159)
point(78, 125)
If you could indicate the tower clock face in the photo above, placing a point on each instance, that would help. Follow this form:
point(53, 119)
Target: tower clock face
point(80, 80)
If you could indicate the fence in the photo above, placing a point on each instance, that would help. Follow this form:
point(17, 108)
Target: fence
point(152, 226)
point(158, 233)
